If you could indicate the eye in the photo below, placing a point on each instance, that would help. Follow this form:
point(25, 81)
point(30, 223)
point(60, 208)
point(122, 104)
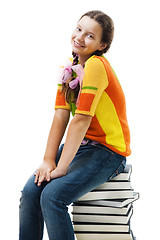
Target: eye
point(90, 36)
point(78, 29)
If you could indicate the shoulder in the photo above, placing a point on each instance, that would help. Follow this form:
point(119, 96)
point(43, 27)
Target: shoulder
point(94, 62)
point(95, 72)
point(95, 67)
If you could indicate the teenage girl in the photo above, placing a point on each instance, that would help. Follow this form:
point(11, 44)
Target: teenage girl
point(97, 140)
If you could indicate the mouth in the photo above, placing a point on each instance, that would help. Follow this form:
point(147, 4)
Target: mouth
point(78, 45)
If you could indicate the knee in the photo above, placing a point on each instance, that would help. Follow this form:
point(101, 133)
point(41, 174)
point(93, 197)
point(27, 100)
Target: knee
point(46, 199)
point(51, 198)
point(29, 194)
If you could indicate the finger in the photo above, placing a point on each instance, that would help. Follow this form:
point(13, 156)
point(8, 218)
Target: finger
point(41, 179)
point(48, 176)
point(36, 177)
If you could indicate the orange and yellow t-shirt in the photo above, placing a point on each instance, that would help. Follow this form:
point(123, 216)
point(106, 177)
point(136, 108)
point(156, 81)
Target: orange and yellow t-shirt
point(102, 97)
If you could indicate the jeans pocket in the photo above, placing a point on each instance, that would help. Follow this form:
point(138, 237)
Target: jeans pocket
point(119, 170)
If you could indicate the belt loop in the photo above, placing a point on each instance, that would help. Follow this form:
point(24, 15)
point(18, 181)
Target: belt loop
point(84, 142)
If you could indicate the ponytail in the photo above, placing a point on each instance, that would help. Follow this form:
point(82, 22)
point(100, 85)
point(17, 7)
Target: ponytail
point(75, 58)
point(71, 94)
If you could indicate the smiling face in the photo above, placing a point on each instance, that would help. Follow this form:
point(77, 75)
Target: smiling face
point(86, 38)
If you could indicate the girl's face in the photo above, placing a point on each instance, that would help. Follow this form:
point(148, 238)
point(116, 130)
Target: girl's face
point(86, 38)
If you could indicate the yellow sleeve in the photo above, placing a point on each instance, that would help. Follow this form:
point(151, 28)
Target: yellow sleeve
point(94, 83)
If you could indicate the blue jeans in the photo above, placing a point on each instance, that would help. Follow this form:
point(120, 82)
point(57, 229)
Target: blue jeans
point(92, 166)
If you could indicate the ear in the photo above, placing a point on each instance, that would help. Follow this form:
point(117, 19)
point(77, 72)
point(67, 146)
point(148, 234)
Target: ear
point(102, 46)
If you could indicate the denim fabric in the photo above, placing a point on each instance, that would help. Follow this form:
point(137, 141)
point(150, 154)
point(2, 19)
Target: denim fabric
point(92, 166)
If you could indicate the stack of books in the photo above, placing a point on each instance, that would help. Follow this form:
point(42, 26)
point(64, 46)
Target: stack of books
point(105, 212)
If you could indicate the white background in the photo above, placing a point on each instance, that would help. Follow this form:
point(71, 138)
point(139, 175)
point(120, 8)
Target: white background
point(35, 39)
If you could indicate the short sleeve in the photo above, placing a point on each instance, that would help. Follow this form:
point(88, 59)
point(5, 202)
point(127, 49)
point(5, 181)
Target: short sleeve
point(60, 99)
point(94, 83)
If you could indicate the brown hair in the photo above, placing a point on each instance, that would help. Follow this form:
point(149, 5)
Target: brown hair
point(107, 36)
point(71, 94)
point(107, 26)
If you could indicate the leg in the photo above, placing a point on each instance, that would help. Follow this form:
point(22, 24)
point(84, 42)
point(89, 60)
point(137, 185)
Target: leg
point(92, 166)
point(30, 214)
point(31, 220)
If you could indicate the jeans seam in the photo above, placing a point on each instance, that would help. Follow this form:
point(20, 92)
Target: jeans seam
point(106, 149)
point(67, 225)
point(121, 163)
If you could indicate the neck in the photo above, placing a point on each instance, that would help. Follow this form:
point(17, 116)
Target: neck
point(83, 59)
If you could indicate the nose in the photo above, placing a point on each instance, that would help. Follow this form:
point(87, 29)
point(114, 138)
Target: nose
point(80, 37)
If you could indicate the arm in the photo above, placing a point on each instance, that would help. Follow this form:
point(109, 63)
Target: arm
point(76, 132)
point(60, 121)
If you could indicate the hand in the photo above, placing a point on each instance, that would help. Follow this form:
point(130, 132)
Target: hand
point(56, 173)
point(43, 173)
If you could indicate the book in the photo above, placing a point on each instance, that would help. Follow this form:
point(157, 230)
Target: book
point(99, 209)
point(95, 227)
point(117, 203)
point(112, 185)
point(101, 218)
point(105, 212)
point(105, 236)
point(112, 194)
